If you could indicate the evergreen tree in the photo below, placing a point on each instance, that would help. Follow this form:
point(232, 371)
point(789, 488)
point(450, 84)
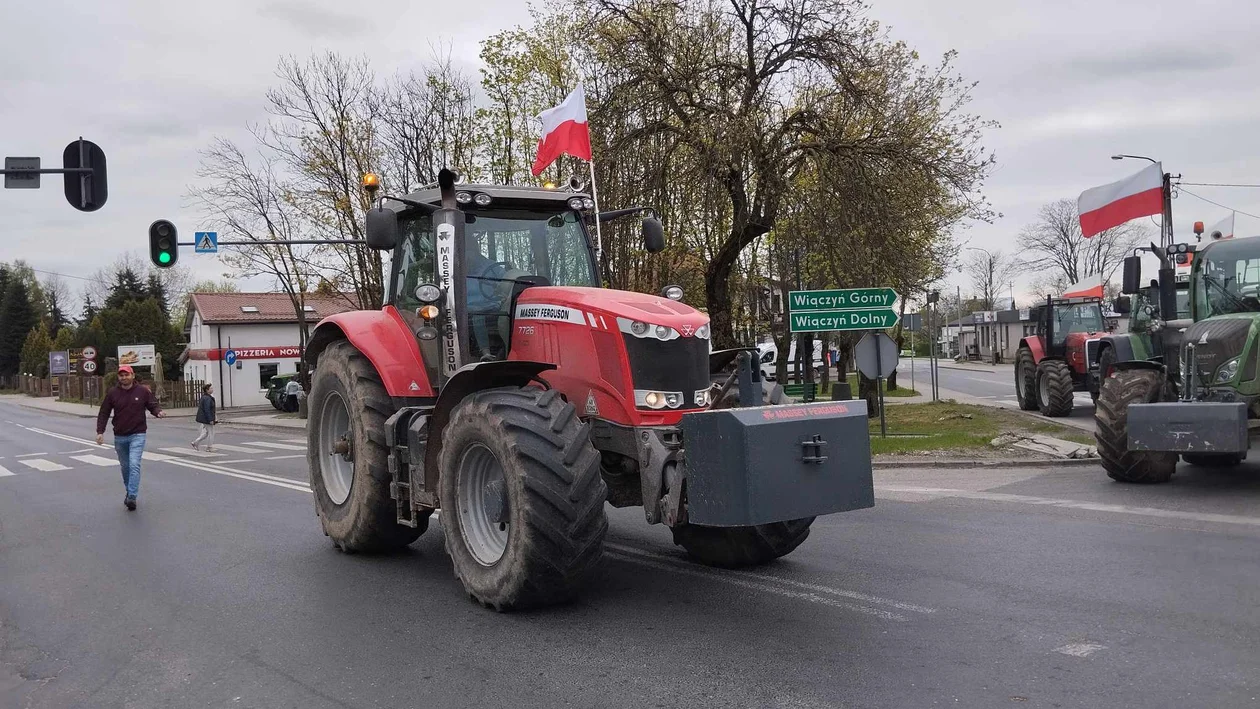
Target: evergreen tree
point(16, 320)
point(56, 315)
point(35, 351)
point(127, 288)
point(157, 290)
point(89, 312)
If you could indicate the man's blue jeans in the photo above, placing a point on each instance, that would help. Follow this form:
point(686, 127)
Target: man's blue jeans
point(129, 449)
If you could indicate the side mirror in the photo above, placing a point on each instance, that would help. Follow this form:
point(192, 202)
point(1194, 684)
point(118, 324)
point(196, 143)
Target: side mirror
point(653, 235)
point(1132, 275)
point(1123, 305)
point(382, 229)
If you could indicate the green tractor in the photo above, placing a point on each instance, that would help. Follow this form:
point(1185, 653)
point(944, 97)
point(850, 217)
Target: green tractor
point(1197, 407)
point(1140, 341)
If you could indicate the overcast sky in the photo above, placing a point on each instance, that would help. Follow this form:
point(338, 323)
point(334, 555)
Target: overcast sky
point(1070, 82)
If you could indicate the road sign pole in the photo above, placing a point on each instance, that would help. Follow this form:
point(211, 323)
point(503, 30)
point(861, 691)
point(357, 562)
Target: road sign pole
point(879, 386)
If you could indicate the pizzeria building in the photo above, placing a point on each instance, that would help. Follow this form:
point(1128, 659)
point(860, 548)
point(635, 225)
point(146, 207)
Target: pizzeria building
point(239, 341)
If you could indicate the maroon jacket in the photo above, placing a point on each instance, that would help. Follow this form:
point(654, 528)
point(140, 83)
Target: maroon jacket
point(128, 406)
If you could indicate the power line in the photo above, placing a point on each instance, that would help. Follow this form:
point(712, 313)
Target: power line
point(64, 275)
point(1205, 199)
point(1219, 184)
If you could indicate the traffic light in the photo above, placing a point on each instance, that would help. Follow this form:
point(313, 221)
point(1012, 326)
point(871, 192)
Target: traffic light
point(85, 191)
point(163, 248)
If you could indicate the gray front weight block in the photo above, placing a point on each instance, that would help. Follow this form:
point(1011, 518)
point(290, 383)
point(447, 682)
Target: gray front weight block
point(767, 464)
point(1188, 427)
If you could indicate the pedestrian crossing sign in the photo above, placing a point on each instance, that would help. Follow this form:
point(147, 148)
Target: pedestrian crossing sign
point(206, 242)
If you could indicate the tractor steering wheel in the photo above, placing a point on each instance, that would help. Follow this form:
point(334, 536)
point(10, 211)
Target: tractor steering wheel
point(493, 289)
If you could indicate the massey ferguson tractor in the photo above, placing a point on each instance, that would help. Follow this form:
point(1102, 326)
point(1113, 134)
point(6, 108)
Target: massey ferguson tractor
point(1051, 365)
point(1197, 405)
point(502, 386)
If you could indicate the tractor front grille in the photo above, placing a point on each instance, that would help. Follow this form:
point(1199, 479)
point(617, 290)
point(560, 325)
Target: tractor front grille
point(681, 364)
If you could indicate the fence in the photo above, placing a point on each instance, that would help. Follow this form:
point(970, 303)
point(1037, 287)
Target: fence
point(91, 390)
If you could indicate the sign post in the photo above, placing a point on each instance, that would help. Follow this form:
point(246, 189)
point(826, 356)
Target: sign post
point(876, 356)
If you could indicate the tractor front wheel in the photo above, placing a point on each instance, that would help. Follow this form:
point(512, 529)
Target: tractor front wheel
point(1054, 387)
point(347, 457)
point(732, 547)
point(522, 497)
point(1111, 419)
point(1025, 380)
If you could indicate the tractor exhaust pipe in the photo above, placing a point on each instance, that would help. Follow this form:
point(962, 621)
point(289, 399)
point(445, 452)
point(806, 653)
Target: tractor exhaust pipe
point(446, 185)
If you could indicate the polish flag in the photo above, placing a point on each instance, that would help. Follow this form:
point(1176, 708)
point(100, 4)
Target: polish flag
point(1138, 195)
point(1224, 229)
point(564, 131)
point(1088, 286)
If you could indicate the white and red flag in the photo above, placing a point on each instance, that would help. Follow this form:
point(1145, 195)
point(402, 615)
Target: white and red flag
point(564, 131)
point(1088, 286)
point(1138, 195)
point(1224, 229)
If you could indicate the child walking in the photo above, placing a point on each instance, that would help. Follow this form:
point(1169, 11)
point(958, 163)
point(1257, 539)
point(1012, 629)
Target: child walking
point(205, 417)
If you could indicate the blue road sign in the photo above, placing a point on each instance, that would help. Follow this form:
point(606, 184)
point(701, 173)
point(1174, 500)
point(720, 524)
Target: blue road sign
point(230, 357)
point(206, 242)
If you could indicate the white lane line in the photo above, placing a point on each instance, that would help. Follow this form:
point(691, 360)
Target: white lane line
point(286, 457)
point(239, 449)
point(303, 441)
point(1075, 504)
point(281, 446)
point(820, 588)
point(43, 465)
point(29, 455)
point(190, 452)
point(735, 580)
point(4, 472)
point(981, 379)
point(234, 462)
point(1080, 649)
point(95, 460)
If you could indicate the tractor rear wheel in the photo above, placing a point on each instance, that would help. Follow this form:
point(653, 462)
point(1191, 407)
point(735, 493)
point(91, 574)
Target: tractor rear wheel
point(347, 456)
point(1111, 419)
point(1054, 387)
point(1213, 460)
point(1025, 380)
point(522, 497)
point(732, 547)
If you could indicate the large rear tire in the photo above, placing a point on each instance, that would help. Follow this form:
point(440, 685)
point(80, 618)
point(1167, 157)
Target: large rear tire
point(1111, 419)
point(732, 547)
point(347, 457)
point(1025, 380)
point(522, 497)
point(1054, 388)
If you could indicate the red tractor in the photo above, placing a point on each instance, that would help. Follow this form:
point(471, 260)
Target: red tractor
point(503, 386)
point(1052, 364)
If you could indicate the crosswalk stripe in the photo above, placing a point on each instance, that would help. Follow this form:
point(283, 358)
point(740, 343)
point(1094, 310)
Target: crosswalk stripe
point(4, 473)
point(95, 460)
point(281, 446)
point(190, 452)
point(43, 464)
point(156, 457)
point(238, 449)
point(294, 440)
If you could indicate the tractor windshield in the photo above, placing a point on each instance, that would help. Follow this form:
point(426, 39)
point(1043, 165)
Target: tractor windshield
point(1076, 317)
point(1228, 279)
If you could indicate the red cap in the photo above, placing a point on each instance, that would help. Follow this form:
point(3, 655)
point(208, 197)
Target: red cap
point(126, 368)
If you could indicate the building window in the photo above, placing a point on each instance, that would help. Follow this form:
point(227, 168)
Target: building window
point(265, 373)
point(249, 308)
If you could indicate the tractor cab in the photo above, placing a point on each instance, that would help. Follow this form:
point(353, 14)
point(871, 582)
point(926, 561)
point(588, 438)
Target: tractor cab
point(1066, 323)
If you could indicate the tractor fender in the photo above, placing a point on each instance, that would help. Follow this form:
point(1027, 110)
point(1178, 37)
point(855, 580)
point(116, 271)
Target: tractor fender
point(382, 337)
point(1122, 344)
point(469, 379)
point(1034, 345)
point(1140, 364)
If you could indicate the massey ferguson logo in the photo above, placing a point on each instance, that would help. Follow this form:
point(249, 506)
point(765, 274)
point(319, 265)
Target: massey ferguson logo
point(687, 330)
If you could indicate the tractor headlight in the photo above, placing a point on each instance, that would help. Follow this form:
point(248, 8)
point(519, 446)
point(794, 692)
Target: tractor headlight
point(482, 199)
point(703, 331)
point(639, 329)
point(428, 293)
point(588, 203)
point(704, 397)
point(575, 203)
point(662, 332)
point(1228, 371)
point(673, 292)
point(658, 399)
point(463, 197)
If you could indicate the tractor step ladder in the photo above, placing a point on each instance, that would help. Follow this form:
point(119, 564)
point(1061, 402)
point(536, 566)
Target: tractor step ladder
point(400, 487)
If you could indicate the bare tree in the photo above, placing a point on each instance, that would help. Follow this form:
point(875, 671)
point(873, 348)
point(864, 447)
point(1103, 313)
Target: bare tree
point(1053, 246)
point(990, 272)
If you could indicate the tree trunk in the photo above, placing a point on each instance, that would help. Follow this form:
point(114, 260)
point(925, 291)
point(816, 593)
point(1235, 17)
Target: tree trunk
point(867, 389)
point(900, 339)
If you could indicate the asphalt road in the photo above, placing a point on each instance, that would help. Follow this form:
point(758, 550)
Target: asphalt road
point(972, 588)
point(997, 386)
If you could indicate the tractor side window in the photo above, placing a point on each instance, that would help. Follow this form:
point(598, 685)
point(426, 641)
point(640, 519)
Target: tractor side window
point(415, 261)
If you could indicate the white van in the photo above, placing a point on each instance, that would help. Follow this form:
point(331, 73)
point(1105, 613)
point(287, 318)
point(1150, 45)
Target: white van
point(769, 354)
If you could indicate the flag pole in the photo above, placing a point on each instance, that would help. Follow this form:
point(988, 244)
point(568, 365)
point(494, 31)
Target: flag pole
point(599, 237)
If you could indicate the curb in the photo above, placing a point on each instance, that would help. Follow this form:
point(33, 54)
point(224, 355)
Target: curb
point(989, 463)
point(230, 422)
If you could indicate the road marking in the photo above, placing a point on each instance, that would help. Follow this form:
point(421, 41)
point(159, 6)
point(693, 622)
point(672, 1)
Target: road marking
point(239, 449)
point(286, 457)
point(190, 452)
point(234, 462)
point(95, 460)
point(1080, 649)
point(980, 379)
point(28, 455)
point(281, 446)
point(1074, 504)
point(43, 465)
point(156, 457)
point(303, 441)
point(866, 598)
point(4, 472)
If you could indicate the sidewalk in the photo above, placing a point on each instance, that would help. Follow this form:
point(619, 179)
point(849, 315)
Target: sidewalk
point(45, 403)
point(977, 366)
point(264, 420)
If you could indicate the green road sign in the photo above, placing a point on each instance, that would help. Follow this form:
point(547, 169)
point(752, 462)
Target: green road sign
point(862, 319)
point(800, 301)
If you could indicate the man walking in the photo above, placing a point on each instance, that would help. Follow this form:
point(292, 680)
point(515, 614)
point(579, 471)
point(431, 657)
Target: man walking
point(206, 418)
point(128, 402)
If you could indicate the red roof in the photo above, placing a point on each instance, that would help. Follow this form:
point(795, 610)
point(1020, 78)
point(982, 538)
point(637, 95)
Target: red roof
point(216, 308)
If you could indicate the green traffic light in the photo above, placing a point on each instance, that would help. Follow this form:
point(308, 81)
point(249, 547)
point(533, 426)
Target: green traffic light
point(164, 257)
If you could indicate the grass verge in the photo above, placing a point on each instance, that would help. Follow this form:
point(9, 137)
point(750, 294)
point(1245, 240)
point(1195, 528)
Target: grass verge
point(956, 429)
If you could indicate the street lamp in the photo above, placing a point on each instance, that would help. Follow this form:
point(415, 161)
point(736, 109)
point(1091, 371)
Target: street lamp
point(1135, 157)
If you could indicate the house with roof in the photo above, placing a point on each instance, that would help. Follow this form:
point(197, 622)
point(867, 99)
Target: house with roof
point(239, 341)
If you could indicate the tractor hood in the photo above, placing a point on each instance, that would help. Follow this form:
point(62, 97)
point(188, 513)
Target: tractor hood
point(589, 303)
point(1218, 340)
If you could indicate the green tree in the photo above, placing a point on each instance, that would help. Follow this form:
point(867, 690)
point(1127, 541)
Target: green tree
point(127, 287)
point(65, 340)
point(17, 317)
point(140, 322)
point(35, 351)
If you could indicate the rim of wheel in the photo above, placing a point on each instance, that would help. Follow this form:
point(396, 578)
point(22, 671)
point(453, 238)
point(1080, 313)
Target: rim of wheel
point(1019, 382)
point(483, 509)
point(1043, 387)
point(335, 467)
